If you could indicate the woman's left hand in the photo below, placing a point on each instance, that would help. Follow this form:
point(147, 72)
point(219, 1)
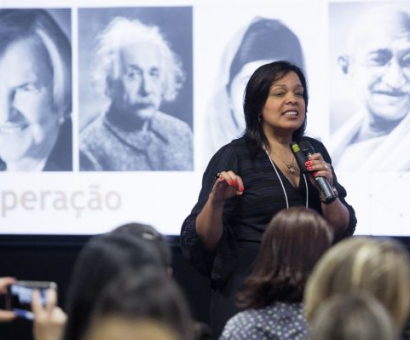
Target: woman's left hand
point(319, 168)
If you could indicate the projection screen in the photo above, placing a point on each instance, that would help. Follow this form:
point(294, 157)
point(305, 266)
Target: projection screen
point(66, 168)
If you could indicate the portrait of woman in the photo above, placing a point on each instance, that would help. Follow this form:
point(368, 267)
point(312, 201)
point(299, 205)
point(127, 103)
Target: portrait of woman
point(35, 92)
point(262, 41)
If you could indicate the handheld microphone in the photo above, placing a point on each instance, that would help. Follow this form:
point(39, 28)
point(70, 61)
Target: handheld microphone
point(307, 151)
point(300, 157)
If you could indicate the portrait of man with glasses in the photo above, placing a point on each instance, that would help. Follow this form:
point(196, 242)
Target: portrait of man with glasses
point(376, 67)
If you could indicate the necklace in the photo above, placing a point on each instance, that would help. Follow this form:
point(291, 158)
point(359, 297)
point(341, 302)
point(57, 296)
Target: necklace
point(291, 166)
point(283, 186)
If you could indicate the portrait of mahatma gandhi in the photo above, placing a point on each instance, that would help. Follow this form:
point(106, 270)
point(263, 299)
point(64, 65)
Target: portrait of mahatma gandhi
point(137, 71)
point(35, 92)
point(376, 66)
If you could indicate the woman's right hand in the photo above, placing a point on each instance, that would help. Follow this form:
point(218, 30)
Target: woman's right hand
point(227, 185)
point(209, 225)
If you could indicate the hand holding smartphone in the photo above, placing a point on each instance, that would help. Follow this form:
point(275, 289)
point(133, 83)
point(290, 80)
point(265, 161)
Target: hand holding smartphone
point(6, 315)
point(20, 294)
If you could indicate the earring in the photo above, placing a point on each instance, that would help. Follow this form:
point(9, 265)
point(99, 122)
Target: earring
point(259, 119)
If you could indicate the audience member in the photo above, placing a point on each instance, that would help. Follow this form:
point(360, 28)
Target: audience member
point(6, 315)
point(153, 237)
point(119, 328)
point(291, 245)
point(357, 316)
point(101, 260)
point(49, 319)
point(144, 295)
point(380, 267)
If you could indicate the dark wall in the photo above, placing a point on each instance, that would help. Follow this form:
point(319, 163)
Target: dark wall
point(51, 258)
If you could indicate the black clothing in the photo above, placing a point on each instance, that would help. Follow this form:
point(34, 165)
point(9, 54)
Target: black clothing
point(245, 218)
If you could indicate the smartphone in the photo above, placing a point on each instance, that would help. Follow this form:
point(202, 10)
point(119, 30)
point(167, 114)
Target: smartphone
point(20, 293)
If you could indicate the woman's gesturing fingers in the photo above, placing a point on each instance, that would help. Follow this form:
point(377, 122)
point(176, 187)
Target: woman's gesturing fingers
point(227, 185)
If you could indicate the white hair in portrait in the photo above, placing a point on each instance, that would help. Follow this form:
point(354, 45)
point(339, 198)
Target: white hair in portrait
point(49, 34)
point(61, 75)
point(385, 15)
point(121, 32)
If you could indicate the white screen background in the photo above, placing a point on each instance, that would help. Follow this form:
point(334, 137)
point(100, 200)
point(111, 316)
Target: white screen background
point(59, 202)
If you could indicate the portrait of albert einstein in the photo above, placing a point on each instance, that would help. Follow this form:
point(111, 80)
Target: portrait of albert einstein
point(137, 70)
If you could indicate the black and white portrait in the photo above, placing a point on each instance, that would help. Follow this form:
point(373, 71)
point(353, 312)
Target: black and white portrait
point(370, 91)
point(256, 43)
point(135, 72)
point(35, 90)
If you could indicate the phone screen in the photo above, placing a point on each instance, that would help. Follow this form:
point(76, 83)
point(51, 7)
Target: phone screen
point(20, 295)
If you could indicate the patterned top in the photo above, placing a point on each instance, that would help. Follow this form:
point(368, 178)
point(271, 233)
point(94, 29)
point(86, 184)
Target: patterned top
point(245, 217)
point(278, 321)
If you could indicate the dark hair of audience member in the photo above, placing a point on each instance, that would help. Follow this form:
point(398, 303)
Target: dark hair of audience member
point(153, 237)
point(146, 294)
point(118, 328)
point(293, 242)
point(358, 316)
point(150, 234)
point(102, 258)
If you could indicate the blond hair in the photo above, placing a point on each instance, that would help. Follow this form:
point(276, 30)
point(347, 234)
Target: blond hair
point(358, 316)
point(378, 266)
